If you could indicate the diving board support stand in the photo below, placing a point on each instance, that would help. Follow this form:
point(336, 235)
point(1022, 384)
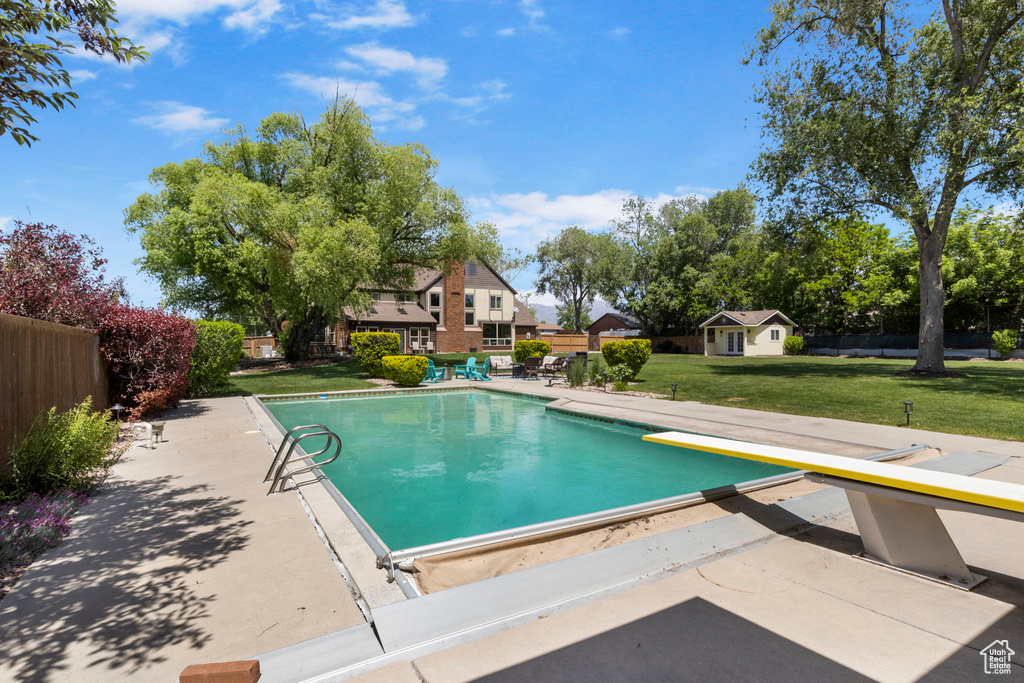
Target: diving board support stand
point(903, 535)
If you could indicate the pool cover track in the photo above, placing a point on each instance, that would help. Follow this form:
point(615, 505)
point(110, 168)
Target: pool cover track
point(398, 562)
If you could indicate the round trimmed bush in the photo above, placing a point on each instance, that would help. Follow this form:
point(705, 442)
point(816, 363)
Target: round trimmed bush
point(405, 370)
point(526, 348)
point(794, 346)
point(1004, 341)
point(630, 353)
point(368, 348)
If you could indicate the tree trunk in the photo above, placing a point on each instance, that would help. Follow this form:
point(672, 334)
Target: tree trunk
point(301, 333)
point(930, 343)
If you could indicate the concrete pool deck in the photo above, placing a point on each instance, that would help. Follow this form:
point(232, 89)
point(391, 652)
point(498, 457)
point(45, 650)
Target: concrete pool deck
point(182, 559)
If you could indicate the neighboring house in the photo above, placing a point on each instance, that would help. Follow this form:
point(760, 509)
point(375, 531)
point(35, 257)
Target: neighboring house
point(619, 323)
point(746, 333)
point(471, 309)
point(548, 328)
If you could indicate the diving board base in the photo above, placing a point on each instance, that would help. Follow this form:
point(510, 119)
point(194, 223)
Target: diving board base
point(976, 579)
point(903, 531)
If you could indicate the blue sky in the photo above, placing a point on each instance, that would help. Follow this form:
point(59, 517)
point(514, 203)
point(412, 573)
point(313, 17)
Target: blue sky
point(542, 113)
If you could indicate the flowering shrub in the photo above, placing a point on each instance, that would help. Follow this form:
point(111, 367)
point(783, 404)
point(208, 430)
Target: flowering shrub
point(35, 524)
point(51, 275)
point(147, 353)
point(61, 450)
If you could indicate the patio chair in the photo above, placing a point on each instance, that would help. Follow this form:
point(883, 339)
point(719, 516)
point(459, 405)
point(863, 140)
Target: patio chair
point(434, 375)
point(430, 347)
point(553, 368)
point(463, 370)
point(415, 347)
point(481, 372)
point(531, 366)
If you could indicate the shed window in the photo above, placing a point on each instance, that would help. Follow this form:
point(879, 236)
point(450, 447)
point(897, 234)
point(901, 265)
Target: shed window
point(711, 335)
point(775, 334)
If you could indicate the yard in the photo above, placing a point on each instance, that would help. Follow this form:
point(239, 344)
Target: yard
point(987, 401)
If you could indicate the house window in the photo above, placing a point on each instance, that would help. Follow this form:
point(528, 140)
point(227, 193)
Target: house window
point(711, 335)
point(470, 319)
point(405, 297)
point(435, 299)
point(419, 336)
point(497, 334)
point(775, 335)
point(470, 298)
point(375, 296)
point(472, 268)
point(363, 328)
point(436, 315)
point(496, 303)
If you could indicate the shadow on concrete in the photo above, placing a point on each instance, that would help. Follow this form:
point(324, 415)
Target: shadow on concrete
point(692, 641)
point(120, 588)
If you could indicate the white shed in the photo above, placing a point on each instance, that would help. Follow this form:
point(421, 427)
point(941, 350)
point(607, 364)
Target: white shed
point(746, 333)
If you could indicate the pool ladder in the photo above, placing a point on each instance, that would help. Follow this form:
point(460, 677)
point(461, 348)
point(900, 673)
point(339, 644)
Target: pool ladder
point(277, 474)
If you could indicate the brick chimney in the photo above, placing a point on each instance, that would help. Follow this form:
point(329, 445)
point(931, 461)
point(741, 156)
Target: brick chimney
point(453, 338)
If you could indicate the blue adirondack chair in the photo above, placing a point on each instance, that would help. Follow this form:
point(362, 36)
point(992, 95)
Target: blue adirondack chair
point(481, 372)
point(434, 375)
point(464, 370)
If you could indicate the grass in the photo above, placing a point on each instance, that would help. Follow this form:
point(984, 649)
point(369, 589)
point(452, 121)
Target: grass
point(334, 377)
point(987, 401)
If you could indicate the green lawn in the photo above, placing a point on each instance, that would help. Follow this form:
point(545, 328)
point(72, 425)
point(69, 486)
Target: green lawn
point(334, 377)
point(988, 401)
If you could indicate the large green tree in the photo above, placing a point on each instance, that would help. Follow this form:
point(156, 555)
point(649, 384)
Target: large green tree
point(626, 269)
point(569, 268)
point(290, 224)
point(33, 36)
point(884, 105)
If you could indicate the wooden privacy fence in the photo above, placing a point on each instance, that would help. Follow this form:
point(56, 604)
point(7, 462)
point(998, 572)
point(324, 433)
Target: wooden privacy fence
point(251, 345)
point(45, 365)
point(679, 344)
point(565, 343)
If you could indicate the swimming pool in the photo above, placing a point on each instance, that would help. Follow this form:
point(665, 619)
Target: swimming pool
point(428, 467)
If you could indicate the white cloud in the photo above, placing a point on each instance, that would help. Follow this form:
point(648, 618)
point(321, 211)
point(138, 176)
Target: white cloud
point(620, 32)
point(469, 31)
point(428, 71)
point(534, 14)
point(506, 32)
point(384, 14)
point(176, 117)
point(370, 95)
point(254, 18)
point(529, 218)
point(82, 75)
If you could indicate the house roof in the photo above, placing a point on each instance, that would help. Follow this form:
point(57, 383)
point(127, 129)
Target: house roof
point(548, 327)
point(424, 279)
point(749, 318)
point(392, 312)
point(629, 321)
point(523, 317)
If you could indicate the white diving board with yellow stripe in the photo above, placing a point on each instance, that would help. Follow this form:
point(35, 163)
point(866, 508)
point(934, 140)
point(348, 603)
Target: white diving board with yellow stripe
point(894, 506)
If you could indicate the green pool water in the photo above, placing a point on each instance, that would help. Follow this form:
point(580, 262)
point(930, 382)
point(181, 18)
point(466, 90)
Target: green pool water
point(428, 467)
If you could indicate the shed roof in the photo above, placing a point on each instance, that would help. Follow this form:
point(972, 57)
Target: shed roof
point(749, 318)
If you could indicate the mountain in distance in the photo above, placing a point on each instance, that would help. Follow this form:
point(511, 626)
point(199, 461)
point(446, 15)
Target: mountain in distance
point(548, 314)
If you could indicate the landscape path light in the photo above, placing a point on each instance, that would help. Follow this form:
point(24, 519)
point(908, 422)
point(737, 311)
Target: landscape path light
point(908, 408)
point(673, 391)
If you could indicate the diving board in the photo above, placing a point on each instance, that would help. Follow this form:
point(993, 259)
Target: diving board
point(894, 506)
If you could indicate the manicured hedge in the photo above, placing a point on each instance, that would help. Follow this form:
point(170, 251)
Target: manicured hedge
point(1004, 341)
point(216, 353)
point(631, 353)
point(530, 347)
point(794, 345)
point(405, 370)
point(147, 352)
point(368, 348)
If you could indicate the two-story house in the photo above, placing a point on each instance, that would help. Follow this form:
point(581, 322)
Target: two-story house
point(472, 309)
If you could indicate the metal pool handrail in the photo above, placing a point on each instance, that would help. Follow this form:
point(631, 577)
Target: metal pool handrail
point(280, 475)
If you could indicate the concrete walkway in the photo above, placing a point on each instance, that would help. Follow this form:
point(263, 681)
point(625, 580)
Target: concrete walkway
point(180, 558)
